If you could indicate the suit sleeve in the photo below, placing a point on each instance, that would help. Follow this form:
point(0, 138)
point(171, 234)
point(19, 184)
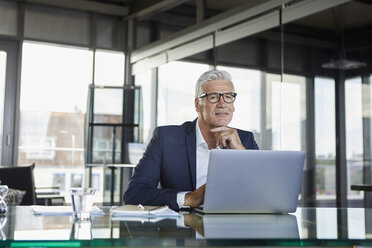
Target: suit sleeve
point(143, 186)
point(248, 140)
point(253, 141)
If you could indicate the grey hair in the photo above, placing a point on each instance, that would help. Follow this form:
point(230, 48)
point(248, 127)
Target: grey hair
point(209, 76)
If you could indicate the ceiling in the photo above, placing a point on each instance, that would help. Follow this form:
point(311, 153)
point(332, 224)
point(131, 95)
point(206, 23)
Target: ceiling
point(353, 18)
point(351, 15)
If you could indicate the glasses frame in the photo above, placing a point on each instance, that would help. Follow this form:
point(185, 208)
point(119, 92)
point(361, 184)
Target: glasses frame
point(219, 96)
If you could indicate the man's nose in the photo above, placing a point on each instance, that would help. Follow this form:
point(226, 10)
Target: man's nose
point(221, 103)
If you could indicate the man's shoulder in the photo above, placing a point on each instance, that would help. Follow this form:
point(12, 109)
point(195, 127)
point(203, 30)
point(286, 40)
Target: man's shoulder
point(247, 138)
point(244, 133)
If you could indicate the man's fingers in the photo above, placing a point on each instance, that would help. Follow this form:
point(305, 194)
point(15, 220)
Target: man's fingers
point(196, 197)
point(223, 141)
point(227, 137)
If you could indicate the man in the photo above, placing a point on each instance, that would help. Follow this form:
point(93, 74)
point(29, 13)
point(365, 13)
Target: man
point(177, 156)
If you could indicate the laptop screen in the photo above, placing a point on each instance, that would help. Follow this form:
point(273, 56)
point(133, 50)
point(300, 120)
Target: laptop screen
point(253, 181)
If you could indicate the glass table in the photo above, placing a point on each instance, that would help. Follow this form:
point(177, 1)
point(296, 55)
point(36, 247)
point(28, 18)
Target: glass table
point(306, 227)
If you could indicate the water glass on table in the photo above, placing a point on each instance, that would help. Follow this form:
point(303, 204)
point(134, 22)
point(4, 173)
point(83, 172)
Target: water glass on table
point(82, 203)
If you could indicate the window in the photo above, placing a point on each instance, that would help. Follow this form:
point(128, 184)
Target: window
point(325, 138)
point(102, 148)
point(286, 108)
point(144, 79)
point(2, 90)
point(54, 86)
point(354, 135)
point(54, 89)
point(59, 180)
point(177, 90)
point(247, 114)
point(40, 148)
point(109, 68)
point(76, 180)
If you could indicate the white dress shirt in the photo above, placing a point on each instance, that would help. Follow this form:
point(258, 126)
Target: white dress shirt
point(202, 160)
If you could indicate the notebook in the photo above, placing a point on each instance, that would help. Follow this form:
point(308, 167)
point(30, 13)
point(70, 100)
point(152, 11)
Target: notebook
point(60, 210)
point(143, 211)
point(253, 181)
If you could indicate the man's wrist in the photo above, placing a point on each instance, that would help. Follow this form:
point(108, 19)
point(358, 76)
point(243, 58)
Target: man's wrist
point(181, 199)
point(242, 148)
point(187, 199)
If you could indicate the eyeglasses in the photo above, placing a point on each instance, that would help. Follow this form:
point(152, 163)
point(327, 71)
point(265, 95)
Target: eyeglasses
point(214, 97)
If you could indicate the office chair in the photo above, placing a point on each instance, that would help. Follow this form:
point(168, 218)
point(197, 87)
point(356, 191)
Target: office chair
point(21, 178)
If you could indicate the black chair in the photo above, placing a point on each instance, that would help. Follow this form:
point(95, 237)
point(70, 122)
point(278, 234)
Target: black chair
point(22, 178)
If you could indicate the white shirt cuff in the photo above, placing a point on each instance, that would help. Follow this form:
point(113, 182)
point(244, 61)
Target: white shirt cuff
point(181, 199)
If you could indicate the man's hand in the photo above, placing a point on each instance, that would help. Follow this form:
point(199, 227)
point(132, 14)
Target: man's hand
point(228, 137)
point(195, 198)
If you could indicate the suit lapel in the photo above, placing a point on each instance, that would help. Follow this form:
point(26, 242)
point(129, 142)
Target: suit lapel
point(191, 150)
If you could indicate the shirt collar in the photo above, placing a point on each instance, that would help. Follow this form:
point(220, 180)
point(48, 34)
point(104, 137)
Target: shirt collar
point(200, 141)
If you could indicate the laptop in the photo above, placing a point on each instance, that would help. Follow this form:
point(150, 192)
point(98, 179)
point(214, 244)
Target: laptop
point(253, 181)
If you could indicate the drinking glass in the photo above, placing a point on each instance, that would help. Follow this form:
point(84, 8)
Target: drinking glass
point(82, 202)
point(3, 191)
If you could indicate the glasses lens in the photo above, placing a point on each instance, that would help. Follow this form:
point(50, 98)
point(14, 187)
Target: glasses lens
point(228, 97)
point(213, 97)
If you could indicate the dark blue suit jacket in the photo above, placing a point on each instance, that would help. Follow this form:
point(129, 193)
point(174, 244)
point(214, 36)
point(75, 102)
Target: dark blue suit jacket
point(170, 159)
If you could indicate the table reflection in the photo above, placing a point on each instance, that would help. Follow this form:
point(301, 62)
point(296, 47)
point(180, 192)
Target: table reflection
point(251, 226)
point(2, 224)
point(320, 225)
point(81, 230)
point(244, 226)
point(154, 228)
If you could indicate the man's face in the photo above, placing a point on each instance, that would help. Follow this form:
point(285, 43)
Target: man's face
point(215, 114)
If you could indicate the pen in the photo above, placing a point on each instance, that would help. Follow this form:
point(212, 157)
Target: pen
point(141, 207)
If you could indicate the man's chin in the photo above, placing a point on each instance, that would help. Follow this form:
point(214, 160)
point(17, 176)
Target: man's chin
point(221, 123)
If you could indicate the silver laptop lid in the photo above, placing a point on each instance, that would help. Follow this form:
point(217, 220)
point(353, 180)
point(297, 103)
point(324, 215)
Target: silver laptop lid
point(253, 181)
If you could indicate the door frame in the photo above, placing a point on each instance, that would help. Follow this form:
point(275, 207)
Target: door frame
point(11, 102)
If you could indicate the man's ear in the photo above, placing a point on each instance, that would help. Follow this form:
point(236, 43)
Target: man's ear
point(197, 106)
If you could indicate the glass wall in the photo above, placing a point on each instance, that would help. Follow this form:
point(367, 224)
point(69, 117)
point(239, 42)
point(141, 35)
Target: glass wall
point(325, 138)
point(2, 91)
point(109, 68)
point(286, 111)
point(54, 86)
point(52, 119)
point(144, 80)
point(354, 135)
point(284, 125)
point(247, 104)
point(176, 92)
